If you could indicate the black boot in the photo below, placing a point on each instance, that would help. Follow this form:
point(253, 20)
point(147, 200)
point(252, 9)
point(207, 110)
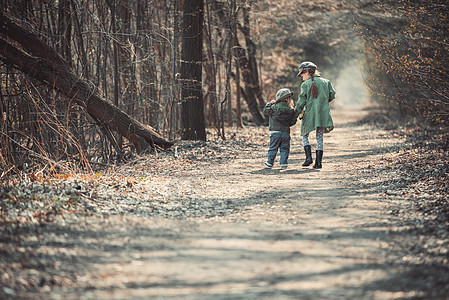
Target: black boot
point(308, 151)
point(318, 160)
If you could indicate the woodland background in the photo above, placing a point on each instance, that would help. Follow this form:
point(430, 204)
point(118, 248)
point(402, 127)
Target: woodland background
point(131, 53)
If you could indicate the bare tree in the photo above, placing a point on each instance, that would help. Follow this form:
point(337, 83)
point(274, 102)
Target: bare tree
point(126, 53)
point(192, 118)
point(44, 64)
point(245, 54)
point(397, 61)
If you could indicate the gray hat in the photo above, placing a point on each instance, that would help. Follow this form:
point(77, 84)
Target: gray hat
point(282, 94)
point(305, 66)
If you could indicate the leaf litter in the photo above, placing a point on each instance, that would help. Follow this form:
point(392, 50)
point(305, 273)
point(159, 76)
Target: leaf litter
point(165, 185)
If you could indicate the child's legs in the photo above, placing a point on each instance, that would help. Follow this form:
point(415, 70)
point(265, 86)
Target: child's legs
point(319, 138)
point(285, 149)
point(275, 140)
point(305, 140)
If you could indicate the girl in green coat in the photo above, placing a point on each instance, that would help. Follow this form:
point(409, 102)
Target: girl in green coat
point(313, 102)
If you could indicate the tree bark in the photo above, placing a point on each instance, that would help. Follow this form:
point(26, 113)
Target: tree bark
point(252, 87)
point(248, 66)
point(46, 65)
point(251, 57)
point(238, 116)
point(192, 115)
point(210, 68)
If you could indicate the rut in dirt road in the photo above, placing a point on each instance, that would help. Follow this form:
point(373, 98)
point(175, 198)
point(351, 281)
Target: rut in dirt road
point(234, 230)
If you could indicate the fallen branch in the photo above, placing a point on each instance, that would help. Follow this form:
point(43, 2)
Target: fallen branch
point(41, 62)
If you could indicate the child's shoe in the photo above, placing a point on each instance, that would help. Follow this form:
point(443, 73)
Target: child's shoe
point(268, 165)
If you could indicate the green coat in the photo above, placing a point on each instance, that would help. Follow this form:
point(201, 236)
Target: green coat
point(317, 112)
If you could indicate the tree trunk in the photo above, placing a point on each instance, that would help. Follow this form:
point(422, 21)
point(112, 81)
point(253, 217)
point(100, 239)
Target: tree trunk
point(209, 96)
point(251, 57)
point(44, 64)
point(248, 67)
point(192, 115)
point(210, 68)
point(238, 116)
point(251, 87)
point(174, 107)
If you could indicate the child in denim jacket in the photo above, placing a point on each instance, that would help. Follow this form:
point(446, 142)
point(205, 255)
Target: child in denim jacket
point(281, 117)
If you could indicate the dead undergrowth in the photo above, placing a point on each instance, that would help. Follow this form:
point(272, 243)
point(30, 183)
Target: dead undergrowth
point(415, 175)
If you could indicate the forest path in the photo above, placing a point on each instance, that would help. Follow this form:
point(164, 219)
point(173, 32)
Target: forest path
point(252, 233)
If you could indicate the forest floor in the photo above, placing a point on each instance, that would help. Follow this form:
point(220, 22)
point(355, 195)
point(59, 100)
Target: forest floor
point(205, 220)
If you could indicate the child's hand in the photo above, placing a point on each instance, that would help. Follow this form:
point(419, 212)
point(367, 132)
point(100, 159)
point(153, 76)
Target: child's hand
point(272, 101)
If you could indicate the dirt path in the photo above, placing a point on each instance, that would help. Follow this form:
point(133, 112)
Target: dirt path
point(234, 230)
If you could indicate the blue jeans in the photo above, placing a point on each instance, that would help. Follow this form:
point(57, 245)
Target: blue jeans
point(279, 140)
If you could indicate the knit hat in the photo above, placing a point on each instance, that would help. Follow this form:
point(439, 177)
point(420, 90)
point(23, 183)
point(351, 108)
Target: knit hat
point(282, 94)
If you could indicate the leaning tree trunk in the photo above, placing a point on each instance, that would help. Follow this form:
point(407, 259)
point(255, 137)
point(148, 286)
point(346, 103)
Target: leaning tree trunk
point(44, 64)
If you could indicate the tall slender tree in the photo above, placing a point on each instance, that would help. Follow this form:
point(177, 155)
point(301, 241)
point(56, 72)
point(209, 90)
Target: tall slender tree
point(192, 115)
